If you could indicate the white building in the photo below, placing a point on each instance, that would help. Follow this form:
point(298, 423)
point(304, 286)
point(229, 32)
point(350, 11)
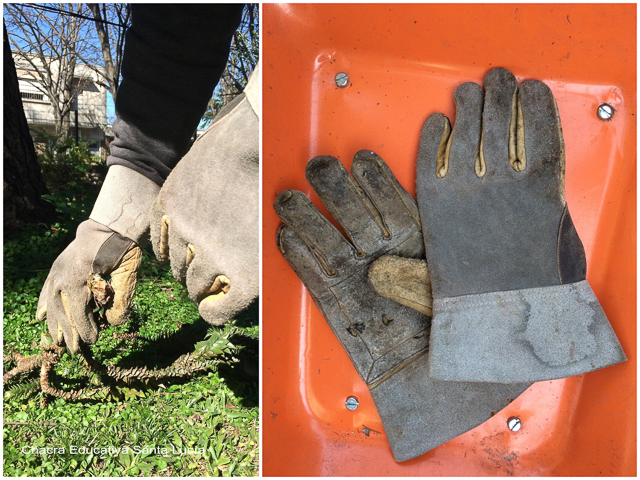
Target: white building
point(92, 104)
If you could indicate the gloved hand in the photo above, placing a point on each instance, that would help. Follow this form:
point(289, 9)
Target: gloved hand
point(387, 342)
point(206, 219)
point(510, 299)
point(101, 266)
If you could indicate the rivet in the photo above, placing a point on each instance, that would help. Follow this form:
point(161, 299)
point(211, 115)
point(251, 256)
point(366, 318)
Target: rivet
point(514, 424)
point(605, 112)
point(342, 79)
point(351, 403)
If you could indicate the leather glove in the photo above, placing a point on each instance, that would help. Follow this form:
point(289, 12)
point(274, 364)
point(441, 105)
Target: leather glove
point(102, 264)
point(387, 342)
point(205, 220)
point(510, 298)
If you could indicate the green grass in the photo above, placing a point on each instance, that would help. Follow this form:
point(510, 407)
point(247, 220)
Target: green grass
point(203, 425)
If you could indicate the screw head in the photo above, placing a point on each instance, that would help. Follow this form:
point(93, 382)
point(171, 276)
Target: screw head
point(514, 424)
point(342, 79)
point(351, 403)
point(605, 112)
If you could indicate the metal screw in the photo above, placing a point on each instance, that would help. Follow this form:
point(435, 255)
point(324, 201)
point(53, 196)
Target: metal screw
point(605, 112)
point(351, 403)
point(514, 424)
point(342, 79)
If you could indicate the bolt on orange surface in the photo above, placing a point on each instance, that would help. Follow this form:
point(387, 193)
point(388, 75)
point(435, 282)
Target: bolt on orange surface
point(403, 62)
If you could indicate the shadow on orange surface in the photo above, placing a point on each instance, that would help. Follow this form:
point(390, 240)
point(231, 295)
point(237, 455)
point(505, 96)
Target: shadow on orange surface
point(404, 63)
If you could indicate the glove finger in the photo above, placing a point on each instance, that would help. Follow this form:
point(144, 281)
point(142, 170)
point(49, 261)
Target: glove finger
point(221, 297)
point(78, 309)
point(403, 280)
point(542, 147)
point(397, 208)
point(499, 121)
point(41, 311)
point(464, 158)
point(223, 300)
point(59, 326)
point(172, 247)
point(432, 165)
point(328, 245)
point(46, 298)
point(55, 329)
point(178, 252)
point(347, 203)
point(298, 254)
point(123, 281)
point(159, 230)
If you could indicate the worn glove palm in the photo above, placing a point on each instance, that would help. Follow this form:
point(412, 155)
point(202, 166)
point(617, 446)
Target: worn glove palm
point(205, 219)
point(387, 342)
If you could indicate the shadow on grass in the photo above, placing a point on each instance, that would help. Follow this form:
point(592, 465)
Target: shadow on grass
point(240, 377)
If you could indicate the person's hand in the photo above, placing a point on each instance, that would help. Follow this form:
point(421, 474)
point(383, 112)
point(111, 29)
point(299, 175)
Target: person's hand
point(79, 274)
point(205, 219)
point(100, 268)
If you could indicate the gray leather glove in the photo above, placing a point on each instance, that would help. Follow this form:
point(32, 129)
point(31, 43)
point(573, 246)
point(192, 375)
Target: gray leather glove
point(387, 342)
point(510, 298)
point(101, 266)
point(205, 220)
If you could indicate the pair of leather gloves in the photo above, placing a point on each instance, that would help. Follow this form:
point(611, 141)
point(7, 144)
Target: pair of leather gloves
point(204, 220)
point(503, 301)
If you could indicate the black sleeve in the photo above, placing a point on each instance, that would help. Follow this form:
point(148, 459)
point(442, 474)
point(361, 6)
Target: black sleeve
point(174, 56)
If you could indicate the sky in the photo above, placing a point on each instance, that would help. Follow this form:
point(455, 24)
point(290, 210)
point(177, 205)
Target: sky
point(111, 110)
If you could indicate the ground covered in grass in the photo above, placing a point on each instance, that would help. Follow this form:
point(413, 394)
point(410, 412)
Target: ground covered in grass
point(201, 425)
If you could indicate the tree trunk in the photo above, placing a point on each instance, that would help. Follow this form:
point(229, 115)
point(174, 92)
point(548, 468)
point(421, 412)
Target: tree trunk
point(23, 183)
point(111, 74)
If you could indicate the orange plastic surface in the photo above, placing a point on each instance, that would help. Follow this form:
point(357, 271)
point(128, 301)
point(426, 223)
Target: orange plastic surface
point(404, 63)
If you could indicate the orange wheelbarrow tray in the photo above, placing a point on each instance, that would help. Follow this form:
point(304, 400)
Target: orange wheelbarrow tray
point(403, 62)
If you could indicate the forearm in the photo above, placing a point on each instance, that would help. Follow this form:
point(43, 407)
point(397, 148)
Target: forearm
point(174, 57)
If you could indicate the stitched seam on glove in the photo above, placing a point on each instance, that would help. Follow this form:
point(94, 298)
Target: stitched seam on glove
point(564, 216)
point(463, 302)
point(357, 270)
point(375, 358)
point(376, 382)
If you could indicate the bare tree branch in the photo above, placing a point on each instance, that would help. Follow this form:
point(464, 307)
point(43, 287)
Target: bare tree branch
point(242, 60)
point(112, 69)
point(51, 40)
point(47, 44)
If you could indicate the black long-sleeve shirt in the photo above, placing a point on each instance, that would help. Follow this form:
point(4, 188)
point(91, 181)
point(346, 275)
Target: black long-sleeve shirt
point(174, 57)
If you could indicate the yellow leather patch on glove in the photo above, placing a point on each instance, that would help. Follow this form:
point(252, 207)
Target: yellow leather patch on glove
point(123, 282)
point(403, 280)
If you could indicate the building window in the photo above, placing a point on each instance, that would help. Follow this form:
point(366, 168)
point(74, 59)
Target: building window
point(32, 96)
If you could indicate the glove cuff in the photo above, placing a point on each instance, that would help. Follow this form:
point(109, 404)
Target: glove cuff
point(124, 203)
point(419, 414)
point(523, 335)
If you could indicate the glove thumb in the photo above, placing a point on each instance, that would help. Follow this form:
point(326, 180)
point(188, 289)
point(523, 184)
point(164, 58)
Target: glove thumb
point(403, 280)
point(123, 281)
